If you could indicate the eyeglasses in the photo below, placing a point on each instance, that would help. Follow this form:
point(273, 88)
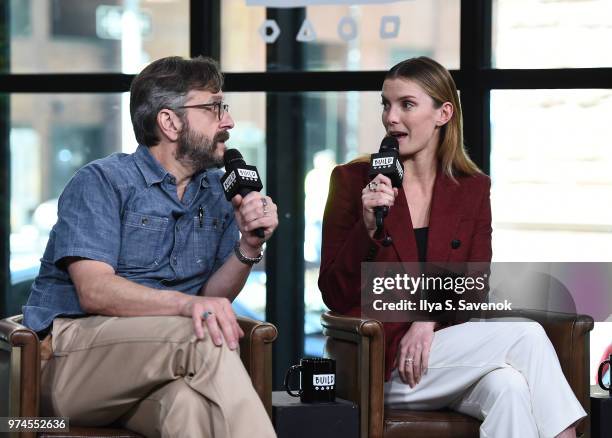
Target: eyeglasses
point(218, 107)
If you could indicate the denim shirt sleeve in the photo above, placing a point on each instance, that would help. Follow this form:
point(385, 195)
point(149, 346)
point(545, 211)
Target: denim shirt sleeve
point(228, 241)
point(89, 222)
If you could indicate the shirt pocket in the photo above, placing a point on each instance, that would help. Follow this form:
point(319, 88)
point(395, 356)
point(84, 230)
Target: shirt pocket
point(141, 239)
point(207, 233)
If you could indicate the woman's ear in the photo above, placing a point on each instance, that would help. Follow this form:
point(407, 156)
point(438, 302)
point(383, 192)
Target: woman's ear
point(169, 124)
point(445, 114)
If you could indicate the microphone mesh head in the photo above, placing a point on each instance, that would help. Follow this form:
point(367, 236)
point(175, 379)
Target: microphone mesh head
point(232, 155)
point(388, 143)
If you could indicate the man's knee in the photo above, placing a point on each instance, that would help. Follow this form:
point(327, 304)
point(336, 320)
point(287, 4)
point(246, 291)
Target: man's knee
point(180, 398)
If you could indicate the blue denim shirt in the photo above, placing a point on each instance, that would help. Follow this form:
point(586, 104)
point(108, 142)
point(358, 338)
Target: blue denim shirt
point(124, 210)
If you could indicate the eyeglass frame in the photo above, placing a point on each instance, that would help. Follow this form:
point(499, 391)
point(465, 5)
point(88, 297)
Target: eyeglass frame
point(220, 106)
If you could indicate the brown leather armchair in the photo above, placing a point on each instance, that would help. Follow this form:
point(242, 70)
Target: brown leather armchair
point(20, 372)
point(357, 345)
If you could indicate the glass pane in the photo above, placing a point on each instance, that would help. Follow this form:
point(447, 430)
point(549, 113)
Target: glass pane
point(550, 164)
point(107, 35)
point(242, 49)
point(552, 34)
point(52, 136)
point(339, 127)
point(342, 37)
point(249, 136)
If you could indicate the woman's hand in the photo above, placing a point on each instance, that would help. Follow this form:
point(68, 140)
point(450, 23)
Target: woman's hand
point(379, 192)
point(413, 354)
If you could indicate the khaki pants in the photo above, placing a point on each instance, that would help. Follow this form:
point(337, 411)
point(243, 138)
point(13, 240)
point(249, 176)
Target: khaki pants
point(151, 374)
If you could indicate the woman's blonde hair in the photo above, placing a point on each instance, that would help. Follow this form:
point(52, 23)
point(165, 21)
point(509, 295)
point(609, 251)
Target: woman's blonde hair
point(439, 85)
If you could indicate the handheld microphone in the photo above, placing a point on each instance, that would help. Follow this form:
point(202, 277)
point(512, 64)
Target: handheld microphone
point(240, 179)
point(386, 162)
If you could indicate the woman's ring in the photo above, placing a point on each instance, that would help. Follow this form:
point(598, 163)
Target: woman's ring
point(372, 186)
point(206, 314)
point(409, 360)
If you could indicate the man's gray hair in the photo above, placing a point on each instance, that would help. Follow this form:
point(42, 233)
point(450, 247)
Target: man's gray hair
point(164, 84)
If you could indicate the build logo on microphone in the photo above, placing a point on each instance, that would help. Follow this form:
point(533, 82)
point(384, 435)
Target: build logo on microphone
point(382, 162)
point(229, 182)
point(249, 174)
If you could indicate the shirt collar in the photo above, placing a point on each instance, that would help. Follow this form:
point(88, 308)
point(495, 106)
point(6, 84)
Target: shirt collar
point(150, 168)
point(154, 172)
point(203, 177)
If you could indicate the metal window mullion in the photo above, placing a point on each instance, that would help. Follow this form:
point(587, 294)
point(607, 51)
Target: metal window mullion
point(205, 28)
point(285, 177)
point(475, 60)
point(5, 167)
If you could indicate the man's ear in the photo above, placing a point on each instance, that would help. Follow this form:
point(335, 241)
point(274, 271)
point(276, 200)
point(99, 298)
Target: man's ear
point(169, 124)
point(446, 112)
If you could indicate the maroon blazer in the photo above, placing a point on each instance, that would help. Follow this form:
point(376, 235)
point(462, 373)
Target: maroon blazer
point(459, 211)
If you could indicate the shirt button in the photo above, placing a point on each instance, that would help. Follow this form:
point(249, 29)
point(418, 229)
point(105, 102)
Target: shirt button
point(144, 221)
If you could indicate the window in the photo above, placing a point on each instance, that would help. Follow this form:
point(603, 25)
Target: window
point(51, 137)
point(108, 36)
point(552, 33)
point(339, 37)
point(550, 164)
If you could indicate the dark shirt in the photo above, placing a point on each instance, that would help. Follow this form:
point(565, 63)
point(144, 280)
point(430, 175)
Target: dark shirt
point(421, 240)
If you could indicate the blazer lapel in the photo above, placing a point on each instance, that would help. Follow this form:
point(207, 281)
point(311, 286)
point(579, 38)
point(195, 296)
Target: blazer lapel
point(444, 218)
point(399, 227)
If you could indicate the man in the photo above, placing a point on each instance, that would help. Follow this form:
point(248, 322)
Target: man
point(135, 284)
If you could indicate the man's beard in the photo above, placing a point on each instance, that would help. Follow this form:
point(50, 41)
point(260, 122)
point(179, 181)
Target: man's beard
point(197, 151)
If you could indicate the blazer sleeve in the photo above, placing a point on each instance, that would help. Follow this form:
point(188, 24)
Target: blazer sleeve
point(345, 240)
point(481, 241)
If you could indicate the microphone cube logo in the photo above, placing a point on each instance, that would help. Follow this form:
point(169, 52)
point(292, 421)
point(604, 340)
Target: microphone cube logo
point(382, 162)
point(229, 181)
point(248, 174)
point(322, 382)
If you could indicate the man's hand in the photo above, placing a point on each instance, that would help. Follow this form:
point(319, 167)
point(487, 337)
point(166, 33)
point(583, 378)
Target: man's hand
point(254, 211)
point(219, 317)
point(413, 355)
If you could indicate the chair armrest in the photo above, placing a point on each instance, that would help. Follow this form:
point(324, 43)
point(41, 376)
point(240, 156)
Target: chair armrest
point(357, 345)
point(256, 355)
point(20, 369)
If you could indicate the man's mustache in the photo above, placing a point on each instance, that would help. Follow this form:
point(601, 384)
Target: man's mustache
point(222, 136)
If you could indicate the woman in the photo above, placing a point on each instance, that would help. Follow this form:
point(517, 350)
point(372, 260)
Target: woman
point(504, 373)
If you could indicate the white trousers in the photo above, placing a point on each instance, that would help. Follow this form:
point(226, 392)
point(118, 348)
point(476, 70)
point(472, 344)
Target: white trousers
point(504, 373)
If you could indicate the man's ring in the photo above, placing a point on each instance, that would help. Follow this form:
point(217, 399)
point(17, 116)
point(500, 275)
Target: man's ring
point(372, 186)
point(264, 203)
point(409, 360)
point(206, 314)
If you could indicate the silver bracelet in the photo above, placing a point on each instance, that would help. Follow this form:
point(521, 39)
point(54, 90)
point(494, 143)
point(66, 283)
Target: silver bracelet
point(244, 258)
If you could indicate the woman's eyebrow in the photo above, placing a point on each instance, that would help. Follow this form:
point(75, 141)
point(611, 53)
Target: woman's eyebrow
point(408, 96)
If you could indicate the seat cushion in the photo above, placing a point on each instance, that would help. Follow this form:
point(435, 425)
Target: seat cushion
point(440, 424)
